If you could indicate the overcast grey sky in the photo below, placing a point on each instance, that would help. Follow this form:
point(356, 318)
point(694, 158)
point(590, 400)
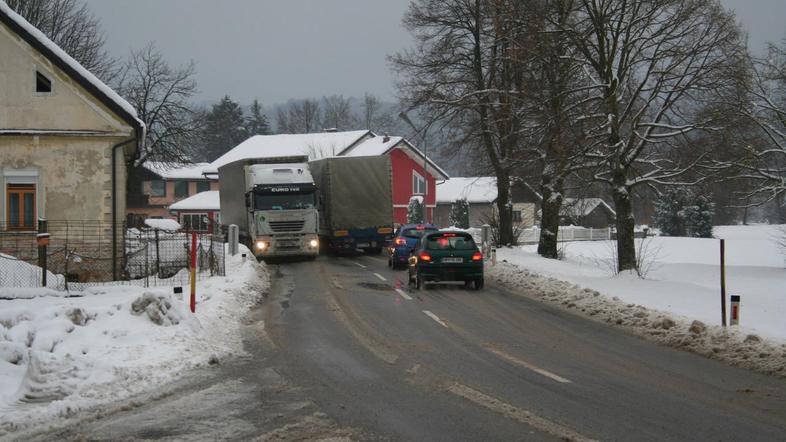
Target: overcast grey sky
point(281, 49)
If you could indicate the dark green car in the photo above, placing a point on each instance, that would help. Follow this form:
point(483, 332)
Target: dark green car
point(446, 256)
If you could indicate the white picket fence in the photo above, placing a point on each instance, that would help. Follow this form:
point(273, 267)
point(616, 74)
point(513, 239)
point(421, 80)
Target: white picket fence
point(567, 233)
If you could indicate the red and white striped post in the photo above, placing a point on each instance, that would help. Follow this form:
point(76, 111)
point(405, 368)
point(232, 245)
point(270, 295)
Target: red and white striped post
point(734, 317)
point(193, 271)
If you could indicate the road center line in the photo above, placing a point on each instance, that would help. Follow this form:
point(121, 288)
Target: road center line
point(435, 317)
point(516, 413)
point(380, 276)
point(404, 294)
point(359, 264)
point(527, 365)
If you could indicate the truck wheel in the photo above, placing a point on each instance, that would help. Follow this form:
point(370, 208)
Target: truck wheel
point(374, 251)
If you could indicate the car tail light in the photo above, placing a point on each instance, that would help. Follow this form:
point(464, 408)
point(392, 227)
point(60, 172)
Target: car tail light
point(477, 256)
point(420, 228)
point(424, 257)
point(401, 241)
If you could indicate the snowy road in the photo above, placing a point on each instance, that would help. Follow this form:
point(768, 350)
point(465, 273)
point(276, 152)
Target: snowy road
point(349, 352)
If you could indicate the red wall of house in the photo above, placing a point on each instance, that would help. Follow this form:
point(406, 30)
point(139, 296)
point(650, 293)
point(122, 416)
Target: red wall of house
point(403, 166)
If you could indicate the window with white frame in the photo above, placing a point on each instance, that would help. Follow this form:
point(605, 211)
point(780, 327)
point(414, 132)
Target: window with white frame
point(418, 184)
point(194, 222)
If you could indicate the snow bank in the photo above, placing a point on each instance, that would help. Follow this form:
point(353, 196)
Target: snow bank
point(163, 224)
point(62, 355)
point(734, 345)
point(16, 275)
point(681, 288)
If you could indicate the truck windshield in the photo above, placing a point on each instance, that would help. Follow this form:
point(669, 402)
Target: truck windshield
point(288, 201)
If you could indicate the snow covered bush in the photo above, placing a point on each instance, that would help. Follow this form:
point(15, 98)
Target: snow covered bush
point(459, 214)
point(698, 218)
point(415, 210)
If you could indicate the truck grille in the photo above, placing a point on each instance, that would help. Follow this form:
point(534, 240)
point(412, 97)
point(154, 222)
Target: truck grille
point(287, 226)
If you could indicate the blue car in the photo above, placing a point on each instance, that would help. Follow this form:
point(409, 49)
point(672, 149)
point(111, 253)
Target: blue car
point(404, 242)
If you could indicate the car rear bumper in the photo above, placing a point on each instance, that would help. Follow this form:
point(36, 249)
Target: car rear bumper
point(433, 273)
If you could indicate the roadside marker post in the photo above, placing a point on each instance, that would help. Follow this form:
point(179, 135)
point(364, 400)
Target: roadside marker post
point(723, 280)
point(193, 271)
point(734, 316)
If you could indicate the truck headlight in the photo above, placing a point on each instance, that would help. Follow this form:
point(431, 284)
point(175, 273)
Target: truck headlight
point(261, 245)
point(313, 243)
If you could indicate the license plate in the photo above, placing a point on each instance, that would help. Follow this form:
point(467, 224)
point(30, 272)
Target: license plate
point(361, 245)
point(452, 260)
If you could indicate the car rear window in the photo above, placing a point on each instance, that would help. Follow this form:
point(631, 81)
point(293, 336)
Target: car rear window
point(417, 233)
point(454, 241)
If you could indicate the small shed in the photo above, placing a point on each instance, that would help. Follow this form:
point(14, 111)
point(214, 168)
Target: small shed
point(198, 213)
point(587, 212)
point(481, 194)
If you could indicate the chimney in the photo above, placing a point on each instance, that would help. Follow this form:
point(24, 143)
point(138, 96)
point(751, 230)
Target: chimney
point(386, 138)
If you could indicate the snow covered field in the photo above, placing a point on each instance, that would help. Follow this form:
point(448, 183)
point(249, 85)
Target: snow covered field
point(62, 355)
point(682, 286)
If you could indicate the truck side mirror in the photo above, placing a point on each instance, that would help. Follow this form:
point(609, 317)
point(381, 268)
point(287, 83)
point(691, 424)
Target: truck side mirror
point(249, 201)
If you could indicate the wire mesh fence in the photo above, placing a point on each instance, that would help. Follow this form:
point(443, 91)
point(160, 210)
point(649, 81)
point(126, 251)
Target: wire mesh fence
point(81, 254)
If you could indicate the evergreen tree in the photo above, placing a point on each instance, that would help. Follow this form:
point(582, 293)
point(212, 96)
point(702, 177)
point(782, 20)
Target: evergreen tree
point(415, 210)
point(698, 218)
point(669, 214)
point(459, 214)
point(257, 123)
point(224, 128)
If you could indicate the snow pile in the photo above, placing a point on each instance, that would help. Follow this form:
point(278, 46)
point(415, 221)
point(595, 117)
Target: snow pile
point(16, 274)
point(163, 224)
point(62, 355)
point(678, 302)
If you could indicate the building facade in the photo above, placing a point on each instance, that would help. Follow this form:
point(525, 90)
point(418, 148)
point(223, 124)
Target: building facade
point(154, 187)
point(65, 138)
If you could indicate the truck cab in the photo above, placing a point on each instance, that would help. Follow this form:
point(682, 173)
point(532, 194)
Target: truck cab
point(281, 201)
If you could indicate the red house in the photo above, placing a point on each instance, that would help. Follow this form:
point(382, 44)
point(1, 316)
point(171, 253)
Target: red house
point(413, 173)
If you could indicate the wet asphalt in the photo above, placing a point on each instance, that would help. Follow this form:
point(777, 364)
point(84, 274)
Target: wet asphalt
point(342, 348)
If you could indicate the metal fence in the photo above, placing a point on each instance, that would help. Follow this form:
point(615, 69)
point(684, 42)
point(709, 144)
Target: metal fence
point(80, 254)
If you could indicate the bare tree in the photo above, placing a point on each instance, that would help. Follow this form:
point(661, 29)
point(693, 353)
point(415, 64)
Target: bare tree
point(466, 68)
point(559, 102)
point(160, 94)
point(70, 25)
point(763, 160)
point(376, 117)
point(304, 116)
point(338, 113)
point(650, 64)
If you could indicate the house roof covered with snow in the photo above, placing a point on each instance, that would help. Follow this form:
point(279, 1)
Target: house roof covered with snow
point(474, 189)
point(177, 172)
point(381, 145)
point(67, 64)
point(315, 145)
point(208, 200)
point(584, 206)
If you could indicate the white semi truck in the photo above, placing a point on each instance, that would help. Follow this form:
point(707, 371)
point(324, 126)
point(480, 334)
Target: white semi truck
point(274, 203)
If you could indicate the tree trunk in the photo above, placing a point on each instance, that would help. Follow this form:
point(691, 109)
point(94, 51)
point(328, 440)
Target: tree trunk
point(626, 247)
point(549, 222)
point(503, 211)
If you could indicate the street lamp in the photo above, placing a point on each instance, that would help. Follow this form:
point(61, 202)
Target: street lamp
point(403, 115)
